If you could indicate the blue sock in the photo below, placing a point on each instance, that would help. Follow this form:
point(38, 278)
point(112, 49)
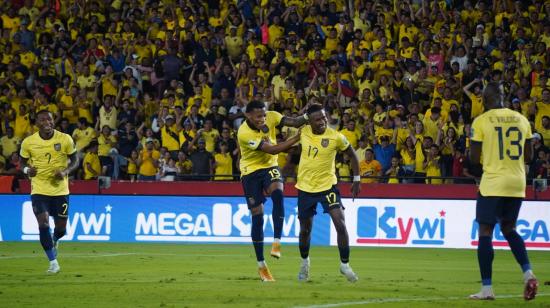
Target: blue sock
point(278, 213)
point(485, 255)
point(47, 243)
point(344, 254)
point(304, 250)
point(518, 249)
point(258, 236)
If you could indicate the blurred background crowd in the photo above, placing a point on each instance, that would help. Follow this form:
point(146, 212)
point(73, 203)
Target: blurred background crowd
point(156, 90)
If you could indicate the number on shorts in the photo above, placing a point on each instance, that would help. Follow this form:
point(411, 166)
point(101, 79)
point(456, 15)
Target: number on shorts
point(275, 174)
point(65, 207)
point(331, 198)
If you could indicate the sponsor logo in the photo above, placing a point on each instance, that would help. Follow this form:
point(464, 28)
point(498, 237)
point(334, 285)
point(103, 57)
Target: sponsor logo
point(94, 226)
point(384, 226)
point(223, 222)
point(534, 233)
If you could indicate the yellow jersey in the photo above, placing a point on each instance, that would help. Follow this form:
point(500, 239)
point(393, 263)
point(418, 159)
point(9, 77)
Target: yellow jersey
point(93, 160)
point(317, 168)
point(502, 133)
point(477, 105)
point(9, 145)
point(147, 167)
point(367, 169)
point(210, 138)
point(352, 136)
point(224, 166)
point(170, 138)
point(250, 140)
point(48, 156)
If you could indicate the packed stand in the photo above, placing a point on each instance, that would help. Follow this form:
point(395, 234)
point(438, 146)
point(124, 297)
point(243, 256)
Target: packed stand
point(156, 90)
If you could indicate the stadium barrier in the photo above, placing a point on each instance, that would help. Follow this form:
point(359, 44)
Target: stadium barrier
point(406, 215)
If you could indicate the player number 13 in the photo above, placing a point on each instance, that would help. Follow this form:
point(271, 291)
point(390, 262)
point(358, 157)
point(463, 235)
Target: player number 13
point(513, 136)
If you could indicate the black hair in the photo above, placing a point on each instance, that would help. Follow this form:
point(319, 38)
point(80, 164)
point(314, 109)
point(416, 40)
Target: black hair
point(43, 111)
point(493, 94)
point(254, 105)
point(314, 108)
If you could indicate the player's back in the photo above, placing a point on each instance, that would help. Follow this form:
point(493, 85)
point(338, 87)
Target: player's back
point(250, 141)
point(503, 133)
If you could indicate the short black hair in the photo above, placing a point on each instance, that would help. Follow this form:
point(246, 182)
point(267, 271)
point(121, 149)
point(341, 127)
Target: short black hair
point(314, 108)
point(492, 94)
point(435, 110)
point(43, 111)
point(254, 105)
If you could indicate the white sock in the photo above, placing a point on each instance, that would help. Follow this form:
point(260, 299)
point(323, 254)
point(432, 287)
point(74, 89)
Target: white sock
point(528, 275)
point(277, 240)
point(261, 263)
point(305, 261)
point(344, 264)
point(54, 261)
point(487, 289)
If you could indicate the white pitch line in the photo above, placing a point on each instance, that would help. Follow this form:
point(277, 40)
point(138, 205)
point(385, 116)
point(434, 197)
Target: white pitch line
point(404, 300)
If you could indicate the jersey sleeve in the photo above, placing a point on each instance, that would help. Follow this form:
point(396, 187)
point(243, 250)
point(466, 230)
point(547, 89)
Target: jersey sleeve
point(273, 119)
point(476, 130)
point(69, 146)
point(249, 141)
point(342, 142)
point(24, 152)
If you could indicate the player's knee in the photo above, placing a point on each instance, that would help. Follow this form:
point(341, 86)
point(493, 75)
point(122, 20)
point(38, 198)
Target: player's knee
point(43, 225)
point(258, 210)
point(486, 230)
point(507, 228)
point(60, 232)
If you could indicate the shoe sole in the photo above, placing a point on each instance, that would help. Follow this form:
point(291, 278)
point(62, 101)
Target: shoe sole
point(350, 279)
point(531, 288)
point(487, 298)
point(276, 255)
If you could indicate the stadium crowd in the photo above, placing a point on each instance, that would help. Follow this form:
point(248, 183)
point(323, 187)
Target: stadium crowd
point(156, 90)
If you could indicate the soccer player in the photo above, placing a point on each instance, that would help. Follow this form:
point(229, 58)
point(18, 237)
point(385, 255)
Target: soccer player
point(260, 173)
point(504, 138)
point(317, 184)
point(49, 156)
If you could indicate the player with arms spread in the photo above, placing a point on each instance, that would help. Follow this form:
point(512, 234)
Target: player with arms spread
point(503, 136)
point(260, 173)
point(49, 156)
point(317, 184)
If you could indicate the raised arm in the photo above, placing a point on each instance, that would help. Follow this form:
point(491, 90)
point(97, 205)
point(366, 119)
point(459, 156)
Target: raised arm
point(294, 122)
point(280, 147)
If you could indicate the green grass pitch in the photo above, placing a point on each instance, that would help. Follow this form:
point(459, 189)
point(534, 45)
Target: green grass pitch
point(184, 275)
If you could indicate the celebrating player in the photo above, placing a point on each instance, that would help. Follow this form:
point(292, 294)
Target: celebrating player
point(52, 156)
point(260, 173)
point(317, 184)
point(504, 138)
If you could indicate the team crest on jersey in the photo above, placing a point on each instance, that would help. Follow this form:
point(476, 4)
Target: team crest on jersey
point(324, 142)
point(57, 147)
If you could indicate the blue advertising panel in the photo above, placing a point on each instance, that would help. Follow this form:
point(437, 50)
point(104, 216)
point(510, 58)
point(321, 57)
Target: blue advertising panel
point(156, 219)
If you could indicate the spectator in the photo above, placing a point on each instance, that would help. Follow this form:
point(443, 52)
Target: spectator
point(9, 143)
point(148, 162)
point(202, 162)
point(223, 163)
point(91, 164)
point(370, 168)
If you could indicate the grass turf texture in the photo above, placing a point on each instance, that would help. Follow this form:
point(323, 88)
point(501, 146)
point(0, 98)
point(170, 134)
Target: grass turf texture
point(181, 275)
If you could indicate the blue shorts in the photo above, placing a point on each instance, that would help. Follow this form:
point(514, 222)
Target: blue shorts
point(490, 210)
point(307, 202)
point(257, 183)
point(56, 206)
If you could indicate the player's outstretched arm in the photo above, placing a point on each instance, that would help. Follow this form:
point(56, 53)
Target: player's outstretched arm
point(356, 186)
point(280, 147)
point(294, 122)
point(60, 174)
